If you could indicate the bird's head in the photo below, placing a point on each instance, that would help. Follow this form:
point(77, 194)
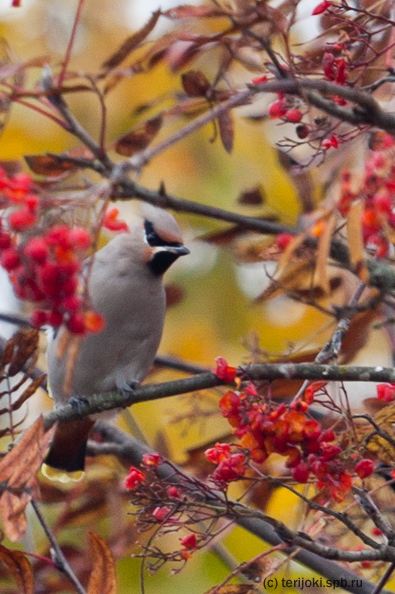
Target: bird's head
point(162, 238)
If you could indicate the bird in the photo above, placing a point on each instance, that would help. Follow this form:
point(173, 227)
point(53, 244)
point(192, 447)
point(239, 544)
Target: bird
point(125, 286)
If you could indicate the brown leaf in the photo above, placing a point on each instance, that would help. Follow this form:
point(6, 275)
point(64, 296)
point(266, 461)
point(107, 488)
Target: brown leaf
point(252, 197)
point(195, 83)
point(226, 130)
point(186, 11)
point(102, 579)
point(139, 138)
point(20, 569)
point(131, 43)
point(49, 165)
point(18, 470)
point(28, 392)
point(25, 344)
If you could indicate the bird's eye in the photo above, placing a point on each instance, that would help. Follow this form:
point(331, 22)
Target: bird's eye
point(151, 236)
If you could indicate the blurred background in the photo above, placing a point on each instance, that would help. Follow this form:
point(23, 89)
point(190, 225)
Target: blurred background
point(216, 315)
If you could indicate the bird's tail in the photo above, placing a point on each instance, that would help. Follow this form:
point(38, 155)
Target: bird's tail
point(65, 460)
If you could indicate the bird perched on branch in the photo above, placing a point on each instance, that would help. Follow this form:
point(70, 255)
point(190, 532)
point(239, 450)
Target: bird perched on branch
point(125, 287)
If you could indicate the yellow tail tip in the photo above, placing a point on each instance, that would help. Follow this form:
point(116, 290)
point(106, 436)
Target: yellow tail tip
point(55, 474)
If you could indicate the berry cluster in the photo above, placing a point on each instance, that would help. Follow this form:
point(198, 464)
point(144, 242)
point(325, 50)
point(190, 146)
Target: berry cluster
point(44, 263)
point(377, 192)
point(289, 430)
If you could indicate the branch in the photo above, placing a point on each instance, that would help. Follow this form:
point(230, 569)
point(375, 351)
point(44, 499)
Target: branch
point(201, 381)
point(252, 520)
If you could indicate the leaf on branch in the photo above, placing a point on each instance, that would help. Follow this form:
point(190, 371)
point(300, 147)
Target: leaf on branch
point(186, 11)
point(21, 347)
point(50, 165)
point(131, 43)
point(139, 138)
point(195, 83)
point(226, 130)
point(18, 471)
point(102, 579)
point(20, 568)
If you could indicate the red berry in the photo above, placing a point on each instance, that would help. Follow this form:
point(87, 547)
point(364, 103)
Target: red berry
point(36, 249)
point(94, 322)
point(80, 238)
point(55, 318)
point(302, 131)
point(22, 219)
point(293, 115)
point(189, 542)
point(76, 323)
point(301, 473)
point(364, 468)
point(321, 7)
point(277, 109)
point(5, 240)
point(39, 318)
point(10, 259)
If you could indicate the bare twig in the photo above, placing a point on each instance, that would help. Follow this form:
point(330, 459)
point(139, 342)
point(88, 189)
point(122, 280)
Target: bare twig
point(57, 553)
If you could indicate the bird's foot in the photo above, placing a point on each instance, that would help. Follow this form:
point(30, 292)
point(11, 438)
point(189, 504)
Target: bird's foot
point(127, 389)
point(78, 402)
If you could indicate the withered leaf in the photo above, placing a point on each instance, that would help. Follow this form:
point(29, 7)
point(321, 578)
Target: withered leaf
point(102, 579)
point(50, 165)
point(187, 11)
point(20, 569)
point(139, 138)
point(18, 470)
point(26, 394)
point(226, 130)
point(25, 344)
point(131, 43)
point(195, 83)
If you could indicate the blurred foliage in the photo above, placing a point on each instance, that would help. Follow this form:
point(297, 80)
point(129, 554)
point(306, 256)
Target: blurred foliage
point(216, 316)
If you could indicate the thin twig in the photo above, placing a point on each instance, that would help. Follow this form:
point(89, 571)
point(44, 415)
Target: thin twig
point(57, 553)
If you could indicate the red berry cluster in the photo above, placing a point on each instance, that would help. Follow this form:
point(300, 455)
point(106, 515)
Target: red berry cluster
point(378, 192)
point(282, 109)
point(43, 268)
point(288, 430)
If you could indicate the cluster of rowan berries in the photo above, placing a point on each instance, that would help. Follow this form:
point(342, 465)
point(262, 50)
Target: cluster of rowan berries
point(44, 263)
point(289, 430)
point(377, 192)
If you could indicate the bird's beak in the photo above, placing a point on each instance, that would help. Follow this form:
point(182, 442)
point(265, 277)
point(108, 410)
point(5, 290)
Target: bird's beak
point(179, 250)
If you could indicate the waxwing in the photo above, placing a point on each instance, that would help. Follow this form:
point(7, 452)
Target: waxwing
point(125, 287)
